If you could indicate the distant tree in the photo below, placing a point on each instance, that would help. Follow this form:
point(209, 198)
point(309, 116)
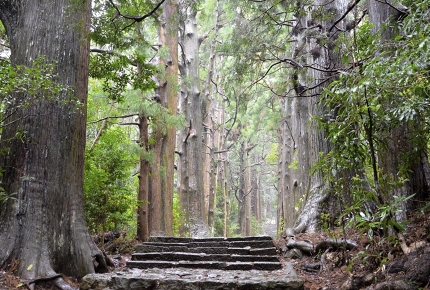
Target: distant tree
point(42, 223)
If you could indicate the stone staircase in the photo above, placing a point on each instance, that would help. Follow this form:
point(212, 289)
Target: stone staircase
point(248, 253)
point(171, 263)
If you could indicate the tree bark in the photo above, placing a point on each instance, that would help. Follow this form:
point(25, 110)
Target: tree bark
point(170, 11)
point(43, 225)
point(191, 138)
point(301, 191)
point(249, 192)
point(161, 182)
point(384, 16)
point(143, 196)
point(211, 134)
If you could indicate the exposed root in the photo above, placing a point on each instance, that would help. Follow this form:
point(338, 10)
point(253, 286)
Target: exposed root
point(30, 284)
point(100, 263)
point(61, 284)
point(411, 248)
point(323, 260)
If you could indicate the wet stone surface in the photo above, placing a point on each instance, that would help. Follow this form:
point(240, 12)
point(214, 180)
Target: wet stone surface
point(212, 263)
point(181, 278)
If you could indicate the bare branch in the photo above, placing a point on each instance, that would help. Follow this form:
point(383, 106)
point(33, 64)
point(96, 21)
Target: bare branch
point(136, 18)
point(114, 117)
point(206, 35)
point(349, 8)
point(402, 9)
point(221, 151)
point(111, 52)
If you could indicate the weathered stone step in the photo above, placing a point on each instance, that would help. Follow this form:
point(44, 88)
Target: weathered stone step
point(211, 253)
point(195, 279)
point(179, 256)
point(162, 239)
point(219, 265)
point(143, 248)
point(219, 244)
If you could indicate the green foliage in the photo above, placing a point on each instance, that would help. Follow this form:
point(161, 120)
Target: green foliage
point(124, 65)
point(109, 187)
point(36, 81)
point(387, 88)
point(272, 157)
point(178, 216)
point(118, 75)
point(4, 196)
point(379, 222)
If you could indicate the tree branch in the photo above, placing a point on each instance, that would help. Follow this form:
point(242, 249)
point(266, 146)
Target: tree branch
point(206, 35)
point(113, 117)
point(136, 18)
point(349, 8)
point(111, 52)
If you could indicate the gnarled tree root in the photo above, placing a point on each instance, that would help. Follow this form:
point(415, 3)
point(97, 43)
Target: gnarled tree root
point(60, 283)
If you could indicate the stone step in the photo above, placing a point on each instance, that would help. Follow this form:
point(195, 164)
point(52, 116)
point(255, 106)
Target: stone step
point(247, 253)
point(181, 256)
point(219, 265)
point(145, 248)
point(194, 279)
point(170, 263)
point(162, 239)
point(221, 244)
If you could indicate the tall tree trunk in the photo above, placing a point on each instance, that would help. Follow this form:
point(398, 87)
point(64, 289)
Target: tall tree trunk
point(191, 138)
point(143, 196)
point(315, 44)
point(222, 169)
point(384, 16)
point(241, 198)
point(161, 182)
point(248, 196)
point(211, 135)
point(256, 196)
point(170, 12)
point(42, 143)
point(155, 195)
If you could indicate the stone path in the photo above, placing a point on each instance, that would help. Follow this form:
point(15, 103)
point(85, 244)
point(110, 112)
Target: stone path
point(247, 253)
point(207, 263)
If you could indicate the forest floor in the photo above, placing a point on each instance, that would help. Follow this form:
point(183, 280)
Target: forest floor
point(368, 265)
point(364, 267)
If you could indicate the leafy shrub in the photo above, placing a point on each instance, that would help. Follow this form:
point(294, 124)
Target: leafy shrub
point(109, 187)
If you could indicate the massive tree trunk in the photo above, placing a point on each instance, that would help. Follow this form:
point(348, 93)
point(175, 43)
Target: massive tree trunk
point(42, 225)
point(302, 193)
point(211, 135)
point(170, 11)
point(191, 139)
point(385, 17)
point(161, 181)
